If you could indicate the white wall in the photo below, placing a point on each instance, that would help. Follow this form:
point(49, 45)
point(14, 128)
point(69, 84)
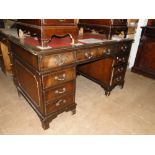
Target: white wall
point(142, 22)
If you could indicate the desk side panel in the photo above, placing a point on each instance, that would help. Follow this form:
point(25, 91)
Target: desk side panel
point(25, 55)
point(28, 83)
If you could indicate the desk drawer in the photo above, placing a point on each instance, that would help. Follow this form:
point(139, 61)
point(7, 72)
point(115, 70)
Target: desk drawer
point(56, 60)
point(124, 47)
point(59, 77)
point(119, 70)
point(57, 92)
point(118, 79)
point(110, 50)
point(59, 104)
point(121, 59)
point(88, 54)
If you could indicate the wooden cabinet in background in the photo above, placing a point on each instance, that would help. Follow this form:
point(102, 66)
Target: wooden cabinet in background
point(105, 26)
point(1, 60)
point(45, 29)
point(5, 60)
point(145, 59)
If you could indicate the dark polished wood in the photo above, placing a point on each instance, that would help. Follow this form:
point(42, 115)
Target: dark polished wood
point(105, 26)
point(46, 29)
point(145, 58)
point(47, 78)
point(151, 22)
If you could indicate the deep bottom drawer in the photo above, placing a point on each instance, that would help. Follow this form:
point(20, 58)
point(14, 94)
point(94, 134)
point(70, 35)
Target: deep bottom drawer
point(119, 69)
point(59, 104)
point(118, 79)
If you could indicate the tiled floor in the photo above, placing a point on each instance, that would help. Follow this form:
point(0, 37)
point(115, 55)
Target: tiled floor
point(130, 110)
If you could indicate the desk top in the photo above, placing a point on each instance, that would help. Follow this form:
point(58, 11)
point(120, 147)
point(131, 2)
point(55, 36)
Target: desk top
point(85, 41)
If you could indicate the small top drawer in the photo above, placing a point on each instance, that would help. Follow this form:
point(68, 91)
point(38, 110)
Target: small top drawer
point(56, 60)
point(59, 77)
point(87, 54)
point(119, 70)
point(122, 59)
point(124, 47)
point(109, 50)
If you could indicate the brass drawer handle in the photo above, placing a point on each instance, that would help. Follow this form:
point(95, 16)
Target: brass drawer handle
point(60, 102)
point(124, 60)
point(118, 79)
point(89, 55)
point(60, 78)
point(123, 48)
point(60, 91)
point(120, 69)
point(121, 59)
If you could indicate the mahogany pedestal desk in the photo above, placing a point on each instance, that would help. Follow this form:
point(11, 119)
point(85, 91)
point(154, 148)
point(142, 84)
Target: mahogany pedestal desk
point(47, 77)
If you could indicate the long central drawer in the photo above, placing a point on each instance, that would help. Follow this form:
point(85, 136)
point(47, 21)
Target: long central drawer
point(57, 60)
point(87, 54)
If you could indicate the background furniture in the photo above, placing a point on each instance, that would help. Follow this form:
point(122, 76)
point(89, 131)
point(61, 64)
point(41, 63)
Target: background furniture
point(5, 59)
point(105, 26)
point(1, 23)
point(132, 26)
point(145, 58)
point(45, 29)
